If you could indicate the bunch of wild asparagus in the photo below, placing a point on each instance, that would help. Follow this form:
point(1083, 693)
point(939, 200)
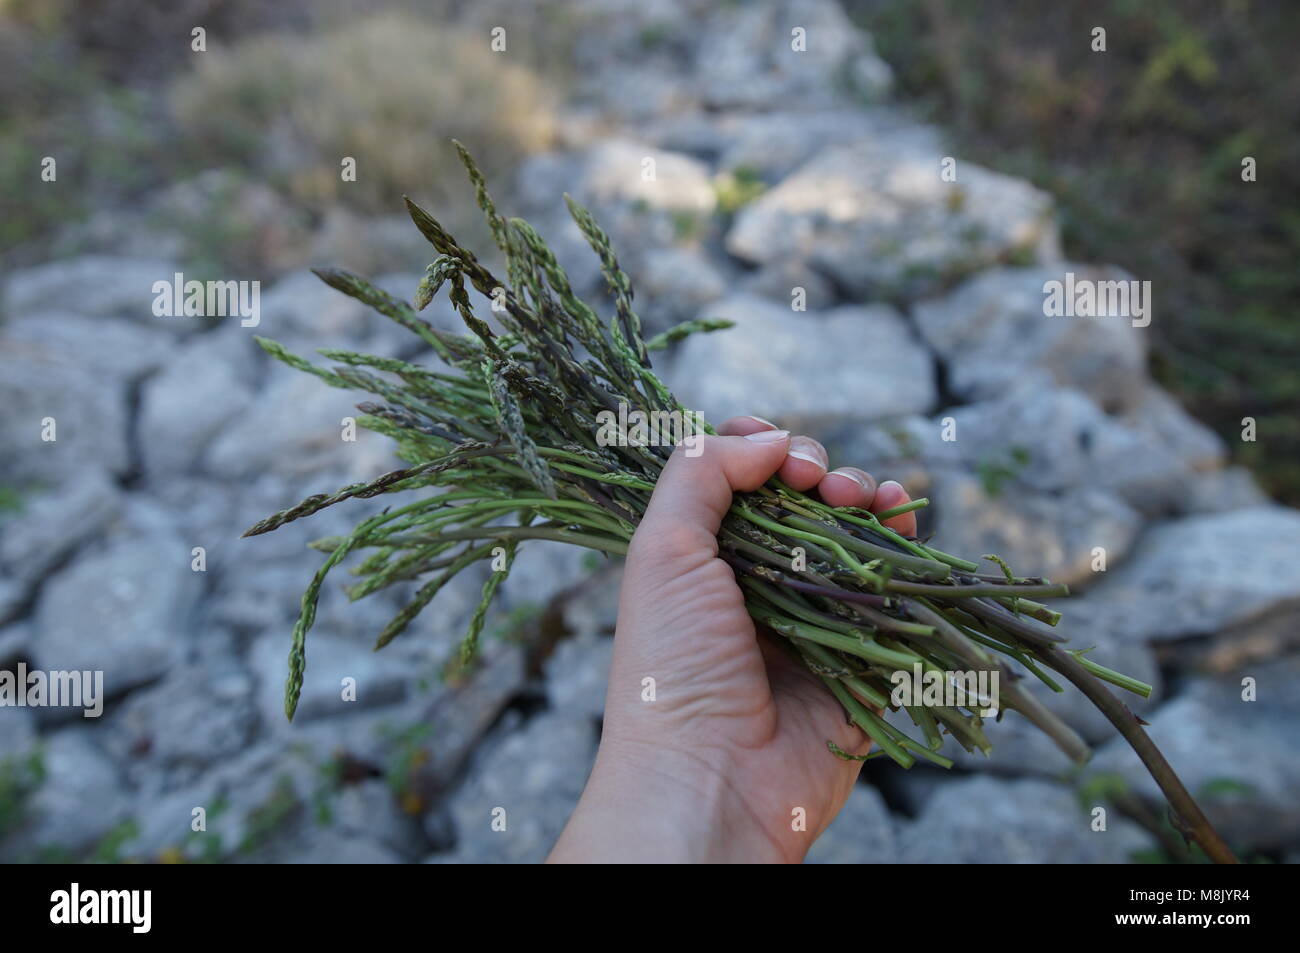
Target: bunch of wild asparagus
point(503, 444)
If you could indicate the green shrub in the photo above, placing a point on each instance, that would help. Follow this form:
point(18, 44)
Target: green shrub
point(390, 93)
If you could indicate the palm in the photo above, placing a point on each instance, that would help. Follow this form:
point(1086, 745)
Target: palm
point(724, 693)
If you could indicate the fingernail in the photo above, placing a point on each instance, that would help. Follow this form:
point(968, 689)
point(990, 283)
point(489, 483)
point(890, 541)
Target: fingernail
point(760, 420)
point(768, 436)
point(801, 448)
point(892, 483)
point(856, 478)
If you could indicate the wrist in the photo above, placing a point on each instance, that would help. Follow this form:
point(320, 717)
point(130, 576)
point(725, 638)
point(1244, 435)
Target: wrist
point(645, 803)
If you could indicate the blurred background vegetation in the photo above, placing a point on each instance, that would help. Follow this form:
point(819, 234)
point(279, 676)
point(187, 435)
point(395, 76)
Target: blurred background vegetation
point(1142, 147)
point(1142, 144)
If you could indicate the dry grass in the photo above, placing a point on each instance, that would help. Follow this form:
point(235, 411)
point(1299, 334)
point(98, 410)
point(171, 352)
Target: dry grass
point(390, 92)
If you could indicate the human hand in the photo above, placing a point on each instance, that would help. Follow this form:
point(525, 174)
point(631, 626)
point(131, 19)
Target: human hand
point(714, 768)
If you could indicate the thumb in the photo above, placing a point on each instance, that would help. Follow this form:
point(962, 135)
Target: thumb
point(680, 526)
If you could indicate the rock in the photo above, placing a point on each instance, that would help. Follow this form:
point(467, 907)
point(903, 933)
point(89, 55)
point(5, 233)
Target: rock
point(862, 833)
point(196, 716)
point(299, 429)
point(260, 230)
point(124, 611)
point(1171, 439)
point(877, 218)
point(369, 810)
point(15, 640)
point(536, 775)
point(80, 801)
point(1238, 758)
point(1038, 534)
point(987, 821)
point(96, 286)
point(302, 311)
point(783, 364)
point(993, 327)
point(50, 526)
point(328, 848)
point(458, 715)
point(1051, 439)
point(59, 418)
point(749, 57)
point(542, 570)
point(381, 678)
point(577, 675)
point(625, 172)
point(184, 407)
point(1233, 488)
point(17, 731)
point(788, 282)
point(114, 349)
point(1203, 574)
point(253, 804)
point(773, 145)
point(593, 609)
point(676, 285)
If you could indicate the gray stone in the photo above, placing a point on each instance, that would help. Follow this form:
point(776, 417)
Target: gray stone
point(676, 285)
point(1171, 440)
point(789, 282)
point(15, 641)
point(1038, 534)
point(381, 678)
point(1051, 439)
point(784, 364)
point(747, 56)
point(577, 674)
point(458, 715)
point(536, 775)
point(184, 407)
point(327, 848)
point(93, 285)
point(17, 730)
point(124, 611)
point(1202, 574)
point(41, 389)
point(368, 809)
point(52, 525)
point(862, 833)
point(774, 144)
point(1238, 758)
point(593, 609)
point(81, 800)
point(986, 821)
point(302, 309)
point(1232, 488)
point(542, 570)
point(622, 171)
point(877, 218)
point(196, 716)
point(115, 349)
point(990, 329)
point(297, 430)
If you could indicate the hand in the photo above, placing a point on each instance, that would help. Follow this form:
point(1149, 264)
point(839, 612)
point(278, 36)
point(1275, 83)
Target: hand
point(734, 741)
